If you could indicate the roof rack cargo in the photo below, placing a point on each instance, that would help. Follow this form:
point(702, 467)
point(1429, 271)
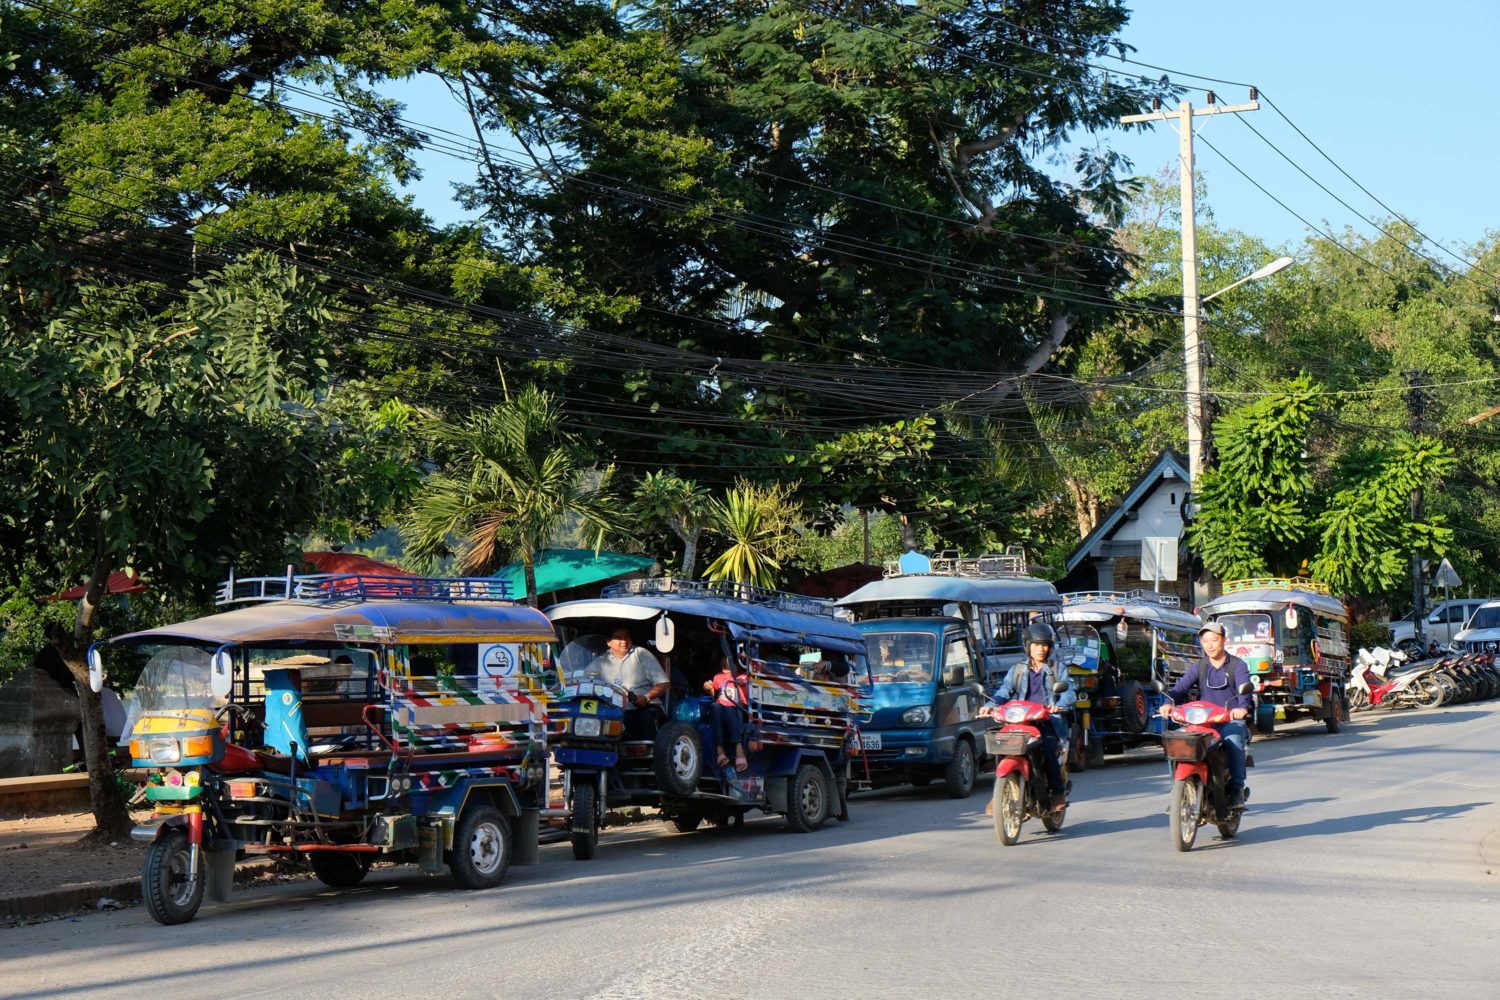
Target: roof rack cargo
point(724, 590)
point(1117, 596)
point(1276, 583)
point(293, 586)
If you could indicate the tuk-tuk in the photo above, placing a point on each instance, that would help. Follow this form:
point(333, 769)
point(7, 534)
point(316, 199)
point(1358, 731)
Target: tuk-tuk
point(338, 721)
point(1115, 646)
point(939, 636)
point(799, 720)
point(1291, 633)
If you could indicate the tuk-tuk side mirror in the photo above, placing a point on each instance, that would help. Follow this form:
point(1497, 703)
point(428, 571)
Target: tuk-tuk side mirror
point(666, 634)
point(1122, 630)
point(1291, 617)
point(221, 674)
point(96, 670)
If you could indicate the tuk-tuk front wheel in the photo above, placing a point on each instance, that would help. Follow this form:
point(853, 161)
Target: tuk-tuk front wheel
point(171, 897)
point(481, 848)
point(808, 800)
point(584, 824)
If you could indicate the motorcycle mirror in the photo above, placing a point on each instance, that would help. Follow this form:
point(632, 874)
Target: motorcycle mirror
point(1158, 686)
point(1059, 687)
point(221, 674)
point(1247, 688)
point(666, 634)
point(96, 670)
point(1291, 617)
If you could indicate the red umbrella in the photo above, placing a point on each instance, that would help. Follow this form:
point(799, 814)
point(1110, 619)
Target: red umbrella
point(339, 563)
point(119, 582)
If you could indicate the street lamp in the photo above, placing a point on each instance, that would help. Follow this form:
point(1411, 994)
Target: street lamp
point(1192, 305)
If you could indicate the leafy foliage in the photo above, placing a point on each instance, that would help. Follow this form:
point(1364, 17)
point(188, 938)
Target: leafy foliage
point(759, 522)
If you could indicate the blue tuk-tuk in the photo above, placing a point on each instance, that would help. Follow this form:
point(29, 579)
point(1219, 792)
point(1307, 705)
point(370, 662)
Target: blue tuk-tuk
point(939, 635)
point(799, 718)
point(1115, 645)
point(338, 720)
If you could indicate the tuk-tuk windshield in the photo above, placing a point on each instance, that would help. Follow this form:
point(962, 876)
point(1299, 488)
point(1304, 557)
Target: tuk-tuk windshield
point(175, 679)
point(1245, 629)
point(577, 656)
point(901, 657)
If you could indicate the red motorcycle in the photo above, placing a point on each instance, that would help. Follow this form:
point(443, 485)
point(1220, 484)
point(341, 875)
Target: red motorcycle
point(1021, 777)
point(1200, 772)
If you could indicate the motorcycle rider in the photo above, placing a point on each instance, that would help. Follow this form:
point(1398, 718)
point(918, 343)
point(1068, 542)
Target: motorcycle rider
point(1034, 681)
point(1219, 677)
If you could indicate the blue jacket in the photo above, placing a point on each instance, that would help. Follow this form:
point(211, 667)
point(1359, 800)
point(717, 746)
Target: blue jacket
point(1217, 685)
point(1017, 685)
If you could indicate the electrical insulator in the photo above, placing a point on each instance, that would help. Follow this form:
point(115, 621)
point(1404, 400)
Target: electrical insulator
point(1254, 93)
point(1156, 104)
point(1210, 97)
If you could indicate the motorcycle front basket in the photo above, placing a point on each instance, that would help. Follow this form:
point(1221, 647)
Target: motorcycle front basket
point(1191, 747)
point(1006, 744)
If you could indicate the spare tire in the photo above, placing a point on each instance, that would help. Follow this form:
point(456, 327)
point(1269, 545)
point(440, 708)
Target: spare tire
point(677, 758)
point(1134, 716)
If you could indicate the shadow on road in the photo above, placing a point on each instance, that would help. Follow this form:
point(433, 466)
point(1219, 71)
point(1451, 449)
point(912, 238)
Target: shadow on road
point(1255, 834)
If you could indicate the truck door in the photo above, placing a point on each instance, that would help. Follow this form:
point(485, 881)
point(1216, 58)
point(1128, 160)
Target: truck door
point(959, 693)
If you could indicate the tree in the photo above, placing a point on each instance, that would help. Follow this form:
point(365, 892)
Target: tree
point(516, 475)
point(759, 523)
point(681, 504)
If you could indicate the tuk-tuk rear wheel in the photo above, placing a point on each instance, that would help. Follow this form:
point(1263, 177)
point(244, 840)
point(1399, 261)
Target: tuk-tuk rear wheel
point(339, 869)
point(808, 803)
point(481, 847)
point(170, 897)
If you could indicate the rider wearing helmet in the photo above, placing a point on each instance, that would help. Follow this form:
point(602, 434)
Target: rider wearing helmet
point(1034, 681)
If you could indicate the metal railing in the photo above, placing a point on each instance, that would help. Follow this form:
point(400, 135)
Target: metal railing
point(726, 590)
point(1121, 597)
point(1011, 562)
point(1276, 583)
point(292, 586)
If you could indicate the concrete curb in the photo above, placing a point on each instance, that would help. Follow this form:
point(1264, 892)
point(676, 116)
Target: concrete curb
point(46, 902)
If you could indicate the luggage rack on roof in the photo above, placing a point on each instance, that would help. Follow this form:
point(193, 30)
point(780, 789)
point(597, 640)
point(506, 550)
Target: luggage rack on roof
point(726, 590)
point(1120, 597)
point(1011, 562)
point(359, 587)
point(1276, 583)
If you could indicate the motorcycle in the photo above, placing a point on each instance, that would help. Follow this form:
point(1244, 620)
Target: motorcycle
point(1021, 776)
point(1382, 679)
point(1200, 772)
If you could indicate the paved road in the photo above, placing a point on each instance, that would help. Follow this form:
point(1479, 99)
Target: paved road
point(1368, 866)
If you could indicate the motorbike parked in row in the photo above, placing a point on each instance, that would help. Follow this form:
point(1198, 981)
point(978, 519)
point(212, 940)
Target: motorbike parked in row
point(1383, 679)
point(1021, 775)
point(1200, 772)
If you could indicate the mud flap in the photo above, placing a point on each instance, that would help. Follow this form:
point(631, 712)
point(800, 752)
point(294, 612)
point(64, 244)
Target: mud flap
point(219, 866)
point(526, 846)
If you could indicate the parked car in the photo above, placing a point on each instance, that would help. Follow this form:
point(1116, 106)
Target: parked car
point(1443, 623)
point(1481, 633)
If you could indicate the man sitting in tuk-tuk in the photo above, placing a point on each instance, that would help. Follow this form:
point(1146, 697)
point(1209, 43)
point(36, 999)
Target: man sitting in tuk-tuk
point(635, 670)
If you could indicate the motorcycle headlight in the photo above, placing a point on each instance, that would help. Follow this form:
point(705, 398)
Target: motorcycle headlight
point(919, 716)
point(586, 727)
point(1196, 715)
point(1015, 713)
point(164, 750)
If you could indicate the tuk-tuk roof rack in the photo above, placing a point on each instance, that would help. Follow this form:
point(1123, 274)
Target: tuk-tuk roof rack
point(724, 590)
point(360, 587)
point(1118, 596)
point(1011, 562)
point(1276, 583)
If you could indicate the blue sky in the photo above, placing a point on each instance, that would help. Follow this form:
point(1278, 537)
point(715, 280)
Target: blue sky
point(1399, 94)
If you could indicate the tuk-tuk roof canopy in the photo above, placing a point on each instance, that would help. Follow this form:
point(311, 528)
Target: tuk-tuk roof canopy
point(1275, 595)
point(1018, 591)
point(1099, 607)
point(748, 619)
point(336, 622)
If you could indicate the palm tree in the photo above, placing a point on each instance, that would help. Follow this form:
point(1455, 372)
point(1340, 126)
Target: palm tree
point(759, 523)
point(516, 476)
point(682, 505)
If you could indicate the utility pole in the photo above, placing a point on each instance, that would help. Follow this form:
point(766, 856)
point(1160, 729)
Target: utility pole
point(1416, 409)
point(1192, 350)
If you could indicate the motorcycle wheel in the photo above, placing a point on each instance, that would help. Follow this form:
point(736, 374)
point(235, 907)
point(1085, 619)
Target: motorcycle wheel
point(1358, 700)
point(1187, 806)
point(1053, 821)
point(170, 897)
point(1428, 694)
point(584, 824)
point(1010, 808)
point(1230, 828)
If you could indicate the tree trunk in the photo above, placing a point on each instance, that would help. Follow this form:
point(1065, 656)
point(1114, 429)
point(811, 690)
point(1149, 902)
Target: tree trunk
point(908, 534)
point(530, 567)
point(111, 820)
point(690, 552)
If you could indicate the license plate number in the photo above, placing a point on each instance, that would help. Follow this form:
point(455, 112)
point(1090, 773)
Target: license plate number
point(869, 741)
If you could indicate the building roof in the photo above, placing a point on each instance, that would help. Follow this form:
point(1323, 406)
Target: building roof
point(1169, 461)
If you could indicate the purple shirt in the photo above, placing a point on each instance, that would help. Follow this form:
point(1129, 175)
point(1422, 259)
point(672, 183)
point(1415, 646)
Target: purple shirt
point(1217, 685)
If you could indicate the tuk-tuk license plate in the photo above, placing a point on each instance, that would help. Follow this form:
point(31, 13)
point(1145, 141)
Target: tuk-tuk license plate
point(869, 741)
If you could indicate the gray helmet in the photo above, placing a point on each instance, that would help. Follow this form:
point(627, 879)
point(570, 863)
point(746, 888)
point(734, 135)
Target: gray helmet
point(1040, 632)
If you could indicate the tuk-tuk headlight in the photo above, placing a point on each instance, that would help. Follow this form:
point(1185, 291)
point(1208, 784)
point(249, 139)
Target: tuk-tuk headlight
point(921, 715)
point(164, 750)
point(585, 727)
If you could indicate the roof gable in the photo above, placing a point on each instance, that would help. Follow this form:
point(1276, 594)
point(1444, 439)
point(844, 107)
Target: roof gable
point(1169, 461)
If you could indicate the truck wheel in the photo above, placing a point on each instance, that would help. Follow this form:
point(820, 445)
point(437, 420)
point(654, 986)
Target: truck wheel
point(686, 822)
point(1093, 752)
point(1265, 720)
point(808, 802)
point(481, 848)
point(1333, 718)
point(1133, 715)
point(677, 758)
point(584, 824)
point(340, 869)
point(170, 897)
point(958, 776)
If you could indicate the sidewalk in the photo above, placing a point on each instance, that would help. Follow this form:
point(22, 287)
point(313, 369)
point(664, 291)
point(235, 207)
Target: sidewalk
point(44, 870)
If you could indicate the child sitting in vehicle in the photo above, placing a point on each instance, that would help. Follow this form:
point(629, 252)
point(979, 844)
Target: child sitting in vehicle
point(731, 690)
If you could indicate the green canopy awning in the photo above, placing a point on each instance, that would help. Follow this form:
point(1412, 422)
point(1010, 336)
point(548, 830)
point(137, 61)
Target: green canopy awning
point(564, 569)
